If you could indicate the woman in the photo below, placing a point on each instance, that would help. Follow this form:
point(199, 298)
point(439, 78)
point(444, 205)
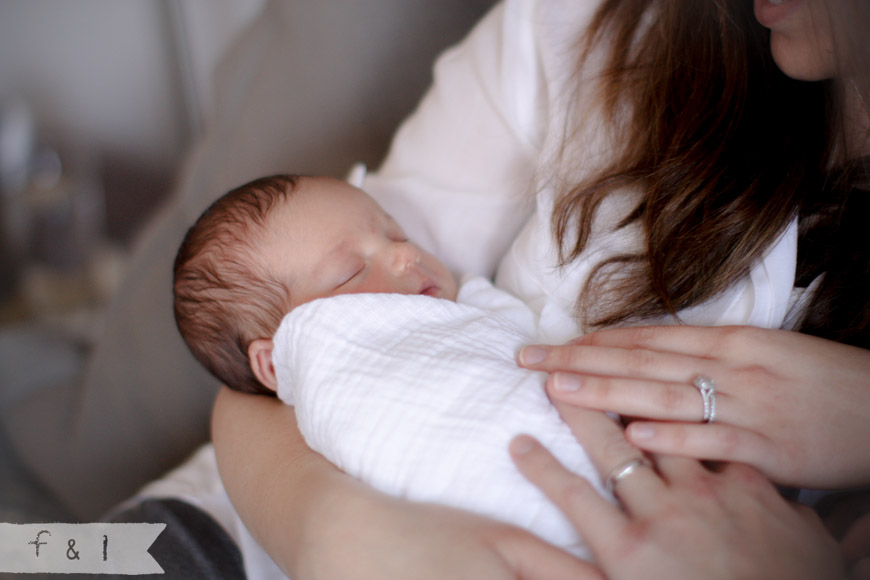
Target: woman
point(669, 160)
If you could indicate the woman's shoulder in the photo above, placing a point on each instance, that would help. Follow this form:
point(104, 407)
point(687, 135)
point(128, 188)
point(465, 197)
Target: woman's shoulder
point(524, 53)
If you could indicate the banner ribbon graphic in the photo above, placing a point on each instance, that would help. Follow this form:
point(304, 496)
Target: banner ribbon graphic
point(97, 548)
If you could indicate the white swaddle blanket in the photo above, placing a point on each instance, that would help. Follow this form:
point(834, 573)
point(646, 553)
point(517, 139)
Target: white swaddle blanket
point(420, 397)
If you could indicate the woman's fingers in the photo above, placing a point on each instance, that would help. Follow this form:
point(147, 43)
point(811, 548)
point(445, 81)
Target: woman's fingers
point(702, 441)
point(595, 518)
point(669, 401)
point(616, 362)
point(700, 341)
point(540, 561)
point(672, 468)
point(544, 562)
point(632, 479)
point(601, 437)
point(537, 560)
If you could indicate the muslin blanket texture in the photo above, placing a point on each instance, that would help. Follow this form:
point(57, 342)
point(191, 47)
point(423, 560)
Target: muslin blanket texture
point(420, 397)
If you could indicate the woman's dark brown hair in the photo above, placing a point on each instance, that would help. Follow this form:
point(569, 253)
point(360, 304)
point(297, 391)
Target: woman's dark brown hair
point(725, 148)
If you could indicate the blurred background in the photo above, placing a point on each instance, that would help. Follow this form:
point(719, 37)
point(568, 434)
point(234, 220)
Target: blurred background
point(107, 120)
point(99, 100)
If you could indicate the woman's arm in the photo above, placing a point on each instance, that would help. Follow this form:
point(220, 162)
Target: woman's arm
point(317, 522)
point(269, 473)
point(794, 406)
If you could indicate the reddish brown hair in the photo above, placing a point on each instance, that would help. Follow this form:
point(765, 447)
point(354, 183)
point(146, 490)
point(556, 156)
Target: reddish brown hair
point(722, 145)
point(223, 298)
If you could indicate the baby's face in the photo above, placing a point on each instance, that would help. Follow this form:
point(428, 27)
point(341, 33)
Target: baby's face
point(331, 238)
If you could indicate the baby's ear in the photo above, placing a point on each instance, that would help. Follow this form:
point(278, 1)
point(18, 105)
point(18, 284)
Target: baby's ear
point(260, 357)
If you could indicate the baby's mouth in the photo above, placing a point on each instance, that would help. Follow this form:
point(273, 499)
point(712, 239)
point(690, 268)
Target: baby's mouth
point(429, 289)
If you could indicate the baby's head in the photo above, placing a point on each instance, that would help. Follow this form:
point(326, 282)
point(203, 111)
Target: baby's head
point(276, 243)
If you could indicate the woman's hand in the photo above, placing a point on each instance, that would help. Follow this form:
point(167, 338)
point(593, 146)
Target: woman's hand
point(794, 406)
point(680, 520)
point(317, 522)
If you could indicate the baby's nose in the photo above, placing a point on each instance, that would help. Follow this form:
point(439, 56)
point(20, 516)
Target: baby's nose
point(405, 255)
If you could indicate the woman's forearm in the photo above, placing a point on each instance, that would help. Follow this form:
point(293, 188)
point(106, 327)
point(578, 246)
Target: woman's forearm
point(275, 481)
point(317, 522)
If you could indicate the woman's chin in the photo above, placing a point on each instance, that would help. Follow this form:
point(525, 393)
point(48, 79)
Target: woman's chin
point(801, 62)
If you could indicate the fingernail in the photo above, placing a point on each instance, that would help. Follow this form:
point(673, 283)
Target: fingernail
point(522, 444)
point(641, 431)
point(532, 355)
point(567, 382)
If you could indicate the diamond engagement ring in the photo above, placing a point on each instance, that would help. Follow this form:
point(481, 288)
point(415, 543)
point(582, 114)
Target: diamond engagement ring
point(624, 469)
point(707, 388)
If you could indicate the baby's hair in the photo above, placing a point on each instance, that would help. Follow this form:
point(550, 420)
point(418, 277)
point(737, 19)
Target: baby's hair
point(224, 299)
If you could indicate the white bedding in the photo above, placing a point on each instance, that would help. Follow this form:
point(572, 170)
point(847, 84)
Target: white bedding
point(420, 397)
